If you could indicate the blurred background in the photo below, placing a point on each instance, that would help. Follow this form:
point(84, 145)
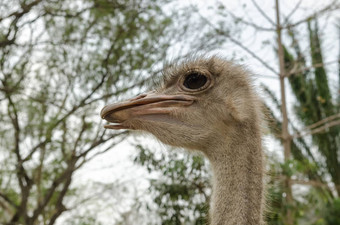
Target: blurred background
point(61, 61)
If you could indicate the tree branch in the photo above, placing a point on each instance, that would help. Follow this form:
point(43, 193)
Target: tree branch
point(294, 71)
point(25, 182)
point(66, 175)
point(313, 183)
point(221, 32)
point(257, 27)
point(99, 142)
point(25, 9)
point(8, 200)
point(318, 130)
point(332, 6)
point(35, 148)
point(293, 11)
point(60, 208)
point(263, 13)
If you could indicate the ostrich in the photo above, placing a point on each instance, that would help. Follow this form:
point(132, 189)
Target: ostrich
point(207, 104)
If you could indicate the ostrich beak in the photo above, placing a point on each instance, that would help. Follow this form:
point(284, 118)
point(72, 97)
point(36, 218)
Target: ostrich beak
point(149, 104)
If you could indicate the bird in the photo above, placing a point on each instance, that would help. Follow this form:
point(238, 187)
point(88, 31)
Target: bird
point(207, 104)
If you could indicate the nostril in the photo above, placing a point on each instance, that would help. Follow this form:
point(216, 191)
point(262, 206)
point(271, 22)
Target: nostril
point(138, 97)
point(142, 96)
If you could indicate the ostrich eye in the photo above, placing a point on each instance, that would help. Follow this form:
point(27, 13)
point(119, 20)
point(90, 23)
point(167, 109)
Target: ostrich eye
point(195, 81)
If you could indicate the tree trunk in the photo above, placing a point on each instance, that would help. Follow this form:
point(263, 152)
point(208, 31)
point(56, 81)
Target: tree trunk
point(286, 139)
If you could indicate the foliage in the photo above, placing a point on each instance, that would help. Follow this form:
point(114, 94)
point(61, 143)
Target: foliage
point(314, 102)
point(332, 213)
point(59, 62)
point(182, 192)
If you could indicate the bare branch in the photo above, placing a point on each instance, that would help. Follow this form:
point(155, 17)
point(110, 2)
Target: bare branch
point(327, 119)
point(35, 148)
point(310, 183)
point(221, 32)
point(257, 27)
point(319, 129)
point(265, 76)
point(294, 71)
point(293, 11)
point(263, 13)
point(319, 126)
point(100, 142)
point(313, 183)
point(331, 7)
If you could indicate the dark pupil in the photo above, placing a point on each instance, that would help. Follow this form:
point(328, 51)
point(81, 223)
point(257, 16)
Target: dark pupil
point(195, 81)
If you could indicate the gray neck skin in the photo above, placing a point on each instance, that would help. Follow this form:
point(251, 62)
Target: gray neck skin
point(237, 164)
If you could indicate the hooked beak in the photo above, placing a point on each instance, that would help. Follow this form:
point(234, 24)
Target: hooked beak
point(149, 104)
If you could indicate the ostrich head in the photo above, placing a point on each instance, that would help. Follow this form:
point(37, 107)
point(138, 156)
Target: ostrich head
point(207, 104)
point(200, 101)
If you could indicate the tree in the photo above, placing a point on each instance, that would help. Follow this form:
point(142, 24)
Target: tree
point(60, 61)
point(182, 193)
point(311, 89)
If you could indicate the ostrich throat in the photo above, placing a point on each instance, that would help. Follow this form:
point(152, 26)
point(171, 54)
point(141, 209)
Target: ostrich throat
point(237, 164)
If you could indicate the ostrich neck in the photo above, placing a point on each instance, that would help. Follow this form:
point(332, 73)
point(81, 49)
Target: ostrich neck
point(237, 164)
